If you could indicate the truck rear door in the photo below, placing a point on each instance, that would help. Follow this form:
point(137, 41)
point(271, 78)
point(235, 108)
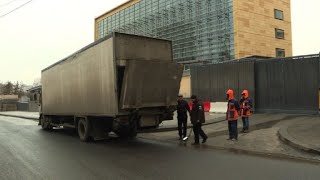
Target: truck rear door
point(150, 84)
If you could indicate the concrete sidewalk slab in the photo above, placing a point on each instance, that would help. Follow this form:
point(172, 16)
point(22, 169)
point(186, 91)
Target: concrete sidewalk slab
point(262, 139)
point(21, 114)
point(172, 125)
point(257, 121)
point(303, 134)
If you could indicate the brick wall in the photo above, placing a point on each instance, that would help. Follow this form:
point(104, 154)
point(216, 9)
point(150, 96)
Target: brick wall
point(254, 27)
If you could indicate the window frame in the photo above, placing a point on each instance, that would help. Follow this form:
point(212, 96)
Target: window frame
point(276, 33)
point(282, 50)
point(275, 14)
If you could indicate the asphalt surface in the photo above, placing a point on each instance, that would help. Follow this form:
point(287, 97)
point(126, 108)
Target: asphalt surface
point(27, 152)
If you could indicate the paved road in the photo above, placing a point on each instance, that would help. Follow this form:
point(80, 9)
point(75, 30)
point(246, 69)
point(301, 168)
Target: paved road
point(27, 152)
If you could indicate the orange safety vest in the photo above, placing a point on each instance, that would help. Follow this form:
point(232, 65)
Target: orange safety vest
point(245, 105)
point(232, 114)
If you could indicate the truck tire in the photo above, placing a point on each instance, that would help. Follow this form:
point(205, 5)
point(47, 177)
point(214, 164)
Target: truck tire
point(84, 130)
point(45, 123)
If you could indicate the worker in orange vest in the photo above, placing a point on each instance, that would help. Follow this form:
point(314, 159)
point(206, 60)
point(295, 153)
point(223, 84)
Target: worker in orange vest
point(245, 108)
point(232, 115)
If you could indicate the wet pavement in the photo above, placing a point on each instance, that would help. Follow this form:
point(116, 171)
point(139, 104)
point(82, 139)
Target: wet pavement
point(27, 152)
point(164, 126)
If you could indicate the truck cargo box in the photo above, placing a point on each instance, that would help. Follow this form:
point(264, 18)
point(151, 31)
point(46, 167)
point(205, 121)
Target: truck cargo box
point(117, 75)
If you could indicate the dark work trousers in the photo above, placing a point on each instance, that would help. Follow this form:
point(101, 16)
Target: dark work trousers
point(233, 129)
point(182, 125)
point(197, 130)
point(245, 122)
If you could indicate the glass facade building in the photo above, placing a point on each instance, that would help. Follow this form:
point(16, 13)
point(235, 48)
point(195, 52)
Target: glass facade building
point(201, 30)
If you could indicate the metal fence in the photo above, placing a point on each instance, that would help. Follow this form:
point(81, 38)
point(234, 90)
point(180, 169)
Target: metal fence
point(275, 85)
point(210, 82)
point(289, 84)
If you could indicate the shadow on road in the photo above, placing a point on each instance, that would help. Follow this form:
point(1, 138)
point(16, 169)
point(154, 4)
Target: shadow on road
point(110, 141)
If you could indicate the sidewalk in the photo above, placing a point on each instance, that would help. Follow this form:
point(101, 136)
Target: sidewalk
point(172, 125)
point(21, 114)
point(221, 127)
point(262, 140)
point(303, 134)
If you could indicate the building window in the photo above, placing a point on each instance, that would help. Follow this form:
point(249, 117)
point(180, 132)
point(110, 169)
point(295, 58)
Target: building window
point(280, 52)
point(278, 14)
point(279, 33)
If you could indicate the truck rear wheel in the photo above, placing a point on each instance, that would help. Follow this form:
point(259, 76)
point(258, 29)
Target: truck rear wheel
point(45, 123)
point(84, 130)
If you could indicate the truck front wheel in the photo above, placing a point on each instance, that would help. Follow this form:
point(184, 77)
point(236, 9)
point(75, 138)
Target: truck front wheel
point(84, 130)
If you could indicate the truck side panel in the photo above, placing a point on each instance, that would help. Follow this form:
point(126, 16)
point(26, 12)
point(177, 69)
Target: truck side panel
point(142, 48)
point(84, 84)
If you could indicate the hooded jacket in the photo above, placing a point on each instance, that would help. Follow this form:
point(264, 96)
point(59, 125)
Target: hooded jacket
point(245, 104)
point(182, 109)
point(197, 112)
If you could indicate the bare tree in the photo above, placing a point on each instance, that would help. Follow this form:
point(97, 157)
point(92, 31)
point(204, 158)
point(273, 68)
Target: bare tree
point(18, 89)
point(36, 82)
point(7, 88)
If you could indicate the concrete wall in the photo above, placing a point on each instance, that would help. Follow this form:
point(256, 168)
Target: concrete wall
point(8, 106)
point(9, 97)
point(254, 27)
point(185, 86)
point(22, 106)
point(34, 106)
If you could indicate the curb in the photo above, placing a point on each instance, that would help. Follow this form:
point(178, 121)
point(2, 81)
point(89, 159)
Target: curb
point(286, 138)
point(176, 128)
point(252, 128)
point(144, 131)
point(218, 133)
point(35, 119)
point(265, 154)
point(244, 151)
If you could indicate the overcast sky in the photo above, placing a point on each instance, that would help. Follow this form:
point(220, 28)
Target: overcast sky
point(45, 31)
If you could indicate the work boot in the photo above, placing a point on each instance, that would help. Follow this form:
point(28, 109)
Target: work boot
point(204, 140)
